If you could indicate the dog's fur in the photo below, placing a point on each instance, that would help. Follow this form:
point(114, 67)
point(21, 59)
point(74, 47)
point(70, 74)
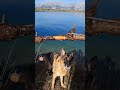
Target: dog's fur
point(46, 58)
point(59, 67)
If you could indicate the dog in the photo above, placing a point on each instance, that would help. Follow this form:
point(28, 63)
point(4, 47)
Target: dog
point(61, 66)
point(47, 57)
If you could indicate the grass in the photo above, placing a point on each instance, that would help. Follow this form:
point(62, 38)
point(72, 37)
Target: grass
point(106, 77)
point(8, 66)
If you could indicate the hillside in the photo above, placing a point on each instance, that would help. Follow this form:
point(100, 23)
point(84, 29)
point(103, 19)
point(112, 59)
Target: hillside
point(60, 6)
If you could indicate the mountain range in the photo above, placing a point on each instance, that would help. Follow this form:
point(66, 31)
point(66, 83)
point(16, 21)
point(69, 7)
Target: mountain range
point(61, 6)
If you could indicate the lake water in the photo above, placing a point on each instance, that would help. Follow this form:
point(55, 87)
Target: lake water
point(56, 23)
point(103, 45)
point(22, 52)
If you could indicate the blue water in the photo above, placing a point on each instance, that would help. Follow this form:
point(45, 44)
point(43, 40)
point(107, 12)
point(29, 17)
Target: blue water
point(108, 9)
point(56, 46)
point(103, 45)
point(56, 23)
point(17, 12)
point(22, 52)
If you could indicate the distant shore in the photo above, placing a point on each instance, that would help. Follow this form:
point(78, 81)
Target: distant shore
point(57, 10)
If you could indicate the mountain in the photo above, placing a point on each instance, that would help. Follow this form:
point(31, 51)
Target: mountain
point(61, 6)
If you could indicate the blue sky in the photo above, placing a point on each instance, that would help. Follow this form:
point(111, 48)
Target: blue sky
point(65, 1)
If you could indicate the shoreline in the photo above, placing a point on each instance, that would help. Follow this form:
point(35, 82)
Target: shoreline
point(56, 45)
point(39, 39)
point(59, 11)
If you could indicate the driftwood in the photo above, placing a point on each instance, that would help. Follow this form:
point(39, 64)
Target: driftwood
point(39, 39)
point(96, 25)
point(92, 10)
point(71, 35)
point(10, 31)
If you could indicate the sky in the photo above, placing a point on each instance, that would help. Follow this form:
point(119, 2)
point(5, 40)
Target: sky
point(64, 1)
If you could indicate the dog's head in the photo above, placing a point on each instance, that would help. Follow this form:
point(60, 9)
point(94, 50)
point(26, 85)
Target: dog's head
point(66, 58)
point(45, 56)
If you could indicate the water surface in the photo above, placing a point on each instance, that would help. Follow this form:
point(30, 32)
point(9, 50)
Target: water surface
point(56, 23)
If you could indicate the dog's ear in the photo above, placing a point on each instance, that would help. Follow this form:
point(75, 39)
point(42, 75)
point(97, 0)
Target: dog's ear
point(63, 52)
point(72, 54)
